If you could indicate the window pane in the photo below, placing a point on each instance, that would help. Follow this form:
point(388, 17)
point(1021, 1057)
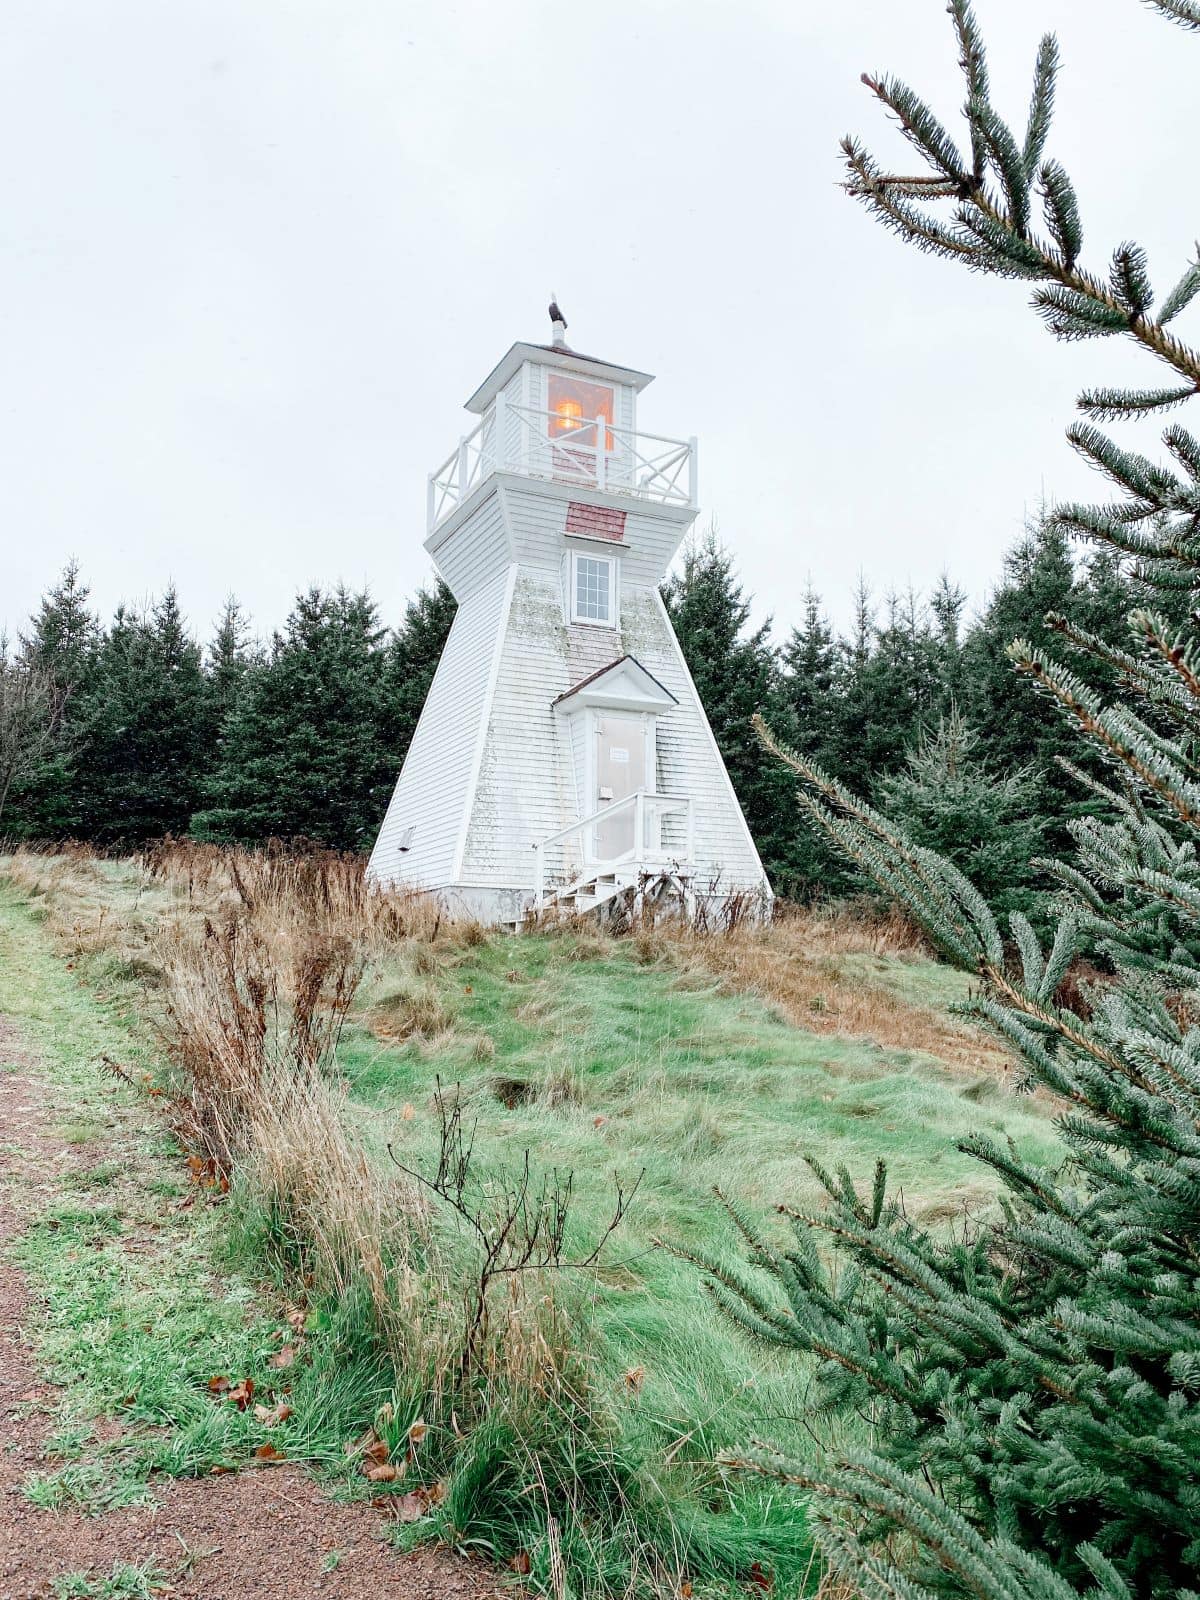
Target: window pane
point(593, 589)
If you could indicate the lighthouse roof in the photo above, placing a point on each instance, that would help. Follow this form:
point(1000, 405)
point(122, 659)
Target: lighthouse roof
point(552, 355)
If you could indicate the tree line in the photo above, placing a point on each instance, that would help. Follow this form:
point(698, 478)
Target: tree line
point(120, 733)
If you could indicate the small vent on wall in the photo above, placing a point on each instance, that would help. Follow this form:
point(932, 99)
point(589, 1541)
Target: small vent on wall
point(404, 842)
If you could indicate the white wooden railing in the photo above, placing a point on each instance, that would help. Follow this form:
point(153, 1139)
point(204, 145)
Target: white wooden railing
point(648, 811)
point(595, 454)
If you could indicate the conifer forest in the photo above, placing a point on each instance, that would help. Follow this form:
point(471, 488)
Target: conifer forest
point(840, 1239)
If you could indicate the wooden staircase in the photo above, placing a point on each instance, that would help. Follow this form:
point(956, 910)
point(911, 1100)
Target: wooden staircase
point(626, 890)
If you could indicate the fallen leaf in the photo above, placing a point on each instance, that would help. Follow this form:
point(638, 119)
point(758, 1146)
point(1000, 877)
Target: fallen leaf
point(418, 1431)
point(598, 1122)
point(760, 1577)
point(685, 1589)
point(406, 1112)
point(384, 1472)
point(241, 1393)
point(282, 1359)
point(220, 1384)
point(412, 1507)
point(296, 1318)
point(270, 1415)
point(633, 1377)
point(374, 1448)
point(268, 1452)
point(520, 1562)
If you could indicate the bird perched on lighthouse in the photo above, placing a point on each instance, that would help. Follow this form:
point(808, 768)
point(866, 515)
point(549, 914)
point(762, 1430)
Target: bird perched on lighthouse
point(557, 320)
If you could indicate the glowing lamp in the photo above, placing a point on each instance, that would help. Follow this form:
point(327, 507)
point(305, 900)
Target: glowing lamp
point(569, 414)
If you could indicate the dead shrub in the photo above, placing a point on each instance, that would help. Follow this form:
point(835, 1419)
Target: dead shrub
point(232, 1018)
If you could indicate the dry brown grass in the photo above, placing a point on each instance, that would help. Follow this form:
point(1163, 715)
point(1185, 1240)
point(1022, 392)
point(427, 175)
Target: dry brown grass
point(816, 966)
point(254, 960)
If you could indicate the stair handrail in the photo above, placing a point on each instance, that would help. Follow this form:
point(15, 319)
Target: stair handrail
point(637, 801)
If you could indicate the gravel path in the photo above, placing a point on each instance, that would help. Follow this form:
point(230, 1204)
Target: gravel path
point(255, 1535)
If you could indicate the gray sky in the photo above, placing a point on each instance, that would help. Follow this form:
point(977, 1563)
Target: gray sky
point(254, 254)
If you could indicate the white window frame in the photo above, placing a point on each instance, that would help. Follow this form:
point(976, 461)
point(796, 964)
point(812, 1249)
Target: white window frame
point(613, 565)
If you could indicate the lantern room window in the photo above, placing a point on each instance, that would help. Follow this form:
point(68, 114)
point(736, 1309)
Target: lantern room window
point(593, 590)
point(574, 408)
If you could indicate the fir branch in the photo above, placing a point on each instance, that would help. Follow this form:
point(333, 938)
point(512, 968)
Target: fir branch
point(1130, 279)
point(1185, 12)
point(972, 60)
point(1070, 314)
point(920, 126)
point(1006, 161)
point(1183, 293)
point(1061, 207)
point(1041, 108)
point(1113, 405)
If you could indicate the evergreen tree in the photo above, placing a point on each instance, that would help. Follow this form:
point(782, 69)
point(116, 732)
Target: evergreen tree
point(949, 799)
point(734, 671)
point(1034, 1379)
point(807, 703)
point(302, 755)
point(229, 656)
point(142, 729)
point(30, 711)
point(1041, 581)
point(63, 643)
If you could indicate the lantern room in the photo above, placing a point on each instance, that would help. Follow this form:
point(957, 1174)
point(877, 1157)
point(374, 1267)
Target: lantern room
point(546, 411)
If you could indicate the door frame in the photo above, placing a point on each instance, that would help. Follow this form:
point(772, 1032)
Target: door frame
point(591, 732)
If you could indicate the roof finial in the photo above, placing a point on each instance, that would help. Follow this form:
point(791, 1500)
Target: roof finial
point(558, 322)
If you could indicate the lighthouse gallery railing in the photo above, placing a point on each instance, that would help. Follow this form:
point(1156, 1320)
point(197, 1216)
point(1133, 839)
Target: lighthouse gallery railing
point(595, 454)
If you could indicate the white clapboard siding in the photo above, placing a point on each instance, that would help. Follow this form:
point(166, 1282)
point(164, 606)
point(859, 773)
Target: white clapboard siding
point(495, 769)
point(525, 790)
point(475, 553)
point(434, 791)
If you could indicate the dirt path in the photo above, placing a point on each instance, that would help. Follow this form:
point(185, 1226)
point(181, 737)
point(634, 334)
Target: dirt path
point(255, 1535)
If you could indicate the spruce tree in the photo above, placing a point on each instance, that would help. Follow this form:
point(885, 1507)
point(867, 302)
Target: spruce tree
point(1033, 1379)
point(30, 711)
point(734, 670)
point(301, 755)
point(948, 798)
point(807, 707)
point(63, 642)
point(229, 655)
point(142, 728)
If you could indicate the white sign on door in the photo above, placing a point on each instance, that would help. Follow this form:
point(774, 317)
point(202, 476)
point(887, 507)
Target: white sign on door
point(615, 753)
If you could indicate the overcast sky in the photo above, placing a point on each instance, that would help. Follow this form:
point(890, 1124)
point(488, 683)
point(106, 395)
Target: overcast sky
point(254, 255)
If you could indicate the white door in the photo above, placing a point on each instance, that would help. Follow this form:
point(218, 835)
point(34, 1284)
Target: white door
point(620, 770)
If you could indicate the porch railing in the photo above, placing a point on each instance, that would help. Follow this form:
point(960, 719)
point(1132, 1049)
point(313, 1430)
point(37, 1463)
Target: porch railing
point(648, 811)
point(593, 453)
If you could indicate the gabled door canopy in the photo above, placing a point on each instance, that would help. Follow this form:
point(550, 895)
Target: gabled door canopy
point(624, 685)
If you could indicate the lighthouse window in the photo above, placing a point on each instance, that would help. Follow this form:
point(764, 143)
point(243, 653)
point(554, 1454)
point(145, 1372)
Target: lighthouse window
point(574, 407)
point(594, 590)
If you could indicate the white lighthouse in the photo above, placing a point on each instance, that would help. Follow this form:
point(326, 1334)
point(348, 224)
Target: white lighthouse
point(563, 756)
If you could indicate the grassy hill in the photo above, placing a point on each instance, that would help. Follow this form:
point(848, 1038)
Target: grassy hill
point(594, 1428)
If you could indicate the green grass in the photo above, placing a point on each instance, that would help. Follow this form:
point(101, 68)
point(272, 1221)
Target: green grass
point(138, 1303)
point(607, 1067)
point(124, 1582)
point(596, 1062)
